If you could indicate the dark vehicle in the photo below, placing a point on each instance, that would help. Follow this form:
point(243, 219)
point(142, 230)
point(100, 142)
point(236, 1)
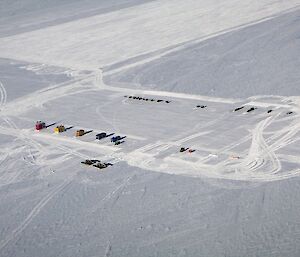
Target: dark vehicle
point(270, 111)
point(115, 139)
point(182, 149)
point(288, 113)
point(101, 165)
point(239, 108)
point(119, 142)
point(101, 135)
point(251, 109)
point(89, 162)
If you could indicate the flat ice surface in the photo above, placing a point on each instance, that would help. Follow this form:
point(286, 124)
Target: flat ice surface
point(241, 63)
point(99, 40)
point(19, 16)
point(237, 194)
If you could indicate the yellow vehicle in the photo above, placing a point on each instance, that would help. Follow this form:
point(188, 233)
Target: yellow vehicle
point(79, 133)
point(59, 129)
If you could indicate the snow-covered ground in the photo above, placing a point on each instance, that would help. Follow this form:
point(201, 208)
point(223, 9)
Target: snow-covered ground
point(238, 64)
point(142, 70)
point(112, 37)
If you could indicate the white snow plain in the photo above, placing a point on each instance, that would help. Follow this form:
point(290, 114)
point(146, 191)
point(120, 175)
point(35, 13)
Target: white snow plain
point(237, 194)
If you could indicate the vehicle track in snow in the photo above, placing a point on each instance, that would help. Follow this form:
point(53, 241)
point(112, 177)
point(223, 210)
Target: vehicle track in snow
point(162, 146)
point(261, 162)
point(11, 124)
point(3, 97)
point(33, 213)
point(17, 132)
point(37, 98)
point(260, 153)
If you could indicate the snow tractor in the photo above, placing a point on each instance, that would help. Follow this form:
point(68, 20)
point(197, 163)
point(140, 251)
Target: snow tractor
point(115, 139)
point(101, 135)
point(39, 125)
point(59, 129)
point(79, 133)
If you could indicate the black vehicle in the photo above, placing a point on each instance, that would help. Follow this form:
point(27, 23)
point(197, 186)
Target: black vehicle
point(101, 135)
point(252, 109)
point(239, 108)
point(100, 165)
point(89, 162)
point(115, 139)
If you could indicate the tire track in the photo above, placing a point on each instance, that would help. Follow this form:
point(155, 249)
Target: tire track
point(51, 93)
point(161, 146)
point(116, 191)
point(3, 98)
point(260, 153)
point(34, 212)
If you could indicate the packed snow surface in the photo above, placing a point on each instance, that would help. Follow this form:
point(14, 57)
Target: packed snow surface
point(205, 96)
point(112, 37)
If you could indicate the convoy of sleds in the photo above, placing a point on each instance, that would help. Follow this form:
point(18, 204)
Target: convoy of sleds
point(117, 140)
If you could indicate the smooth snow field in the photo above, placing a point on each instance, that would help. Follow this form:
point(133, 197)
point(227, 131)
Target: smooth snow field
point(205, 96)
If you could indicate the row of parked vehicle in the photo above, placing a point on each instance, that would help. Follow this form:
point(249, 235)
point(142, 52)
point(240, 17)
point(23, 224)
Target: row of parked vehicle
point(147, 99)
point(254, 108)
point(80, 132)
point(116, 140)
